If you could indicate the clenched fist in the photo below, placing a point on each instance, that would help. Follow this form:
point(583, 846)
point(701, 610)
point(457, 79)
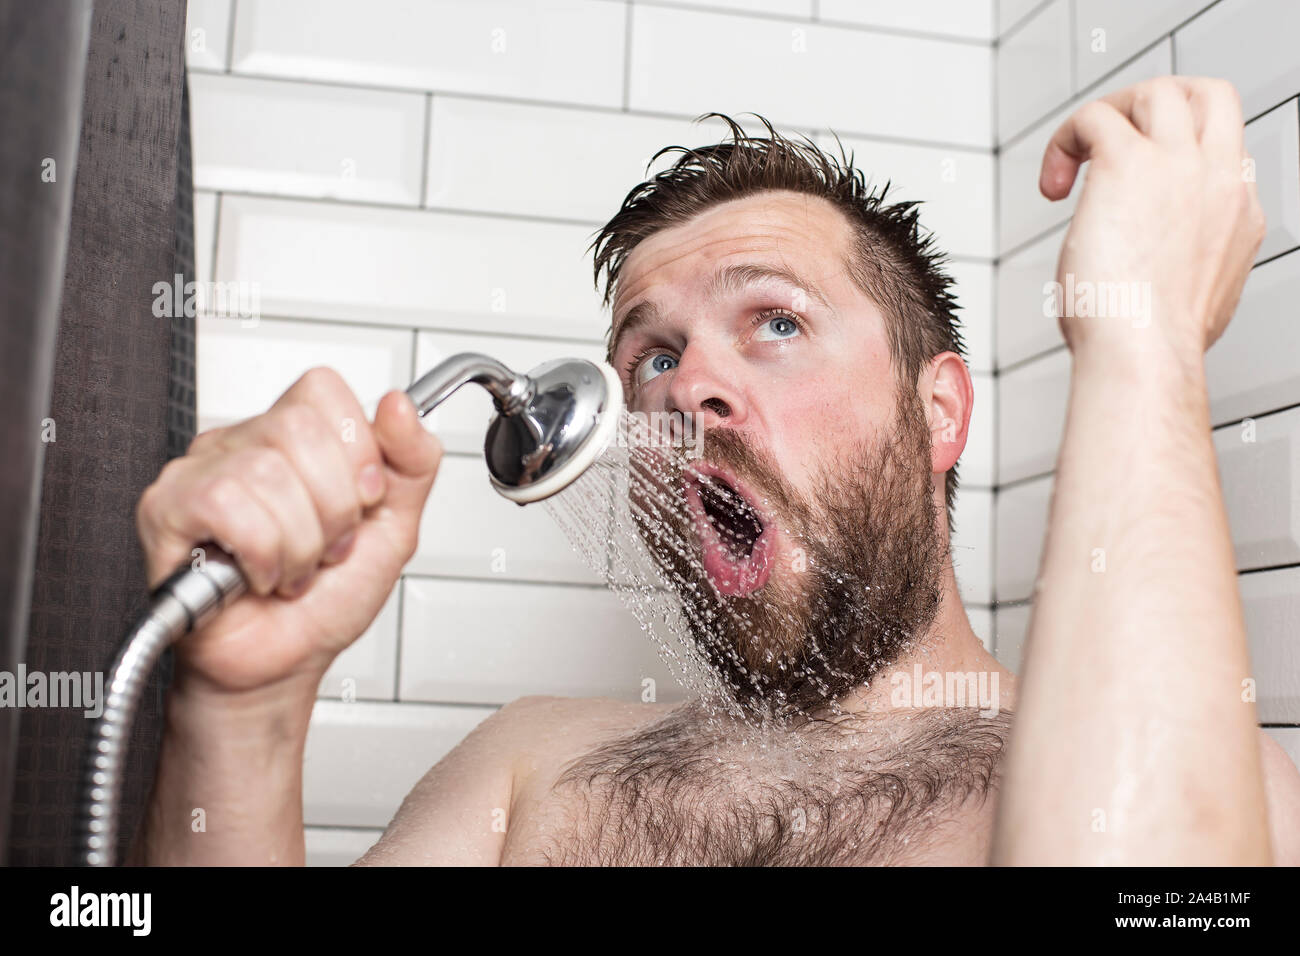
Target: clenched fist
point(1169, 219)
point(321, 510)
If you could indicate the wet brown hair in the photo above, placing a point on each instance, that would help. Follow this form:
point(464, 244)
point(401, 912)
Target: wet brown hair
point(895, 261)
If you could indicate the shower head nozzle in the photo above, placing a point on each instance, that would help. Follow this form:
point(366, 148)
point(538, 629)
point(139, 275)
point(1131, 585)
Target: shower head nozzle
point(547, 441)
point(551, 424)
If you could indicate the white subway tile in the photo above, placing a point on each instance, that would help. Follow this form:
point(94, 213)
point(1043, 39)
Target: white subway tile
point(519, 158)
point(1033, 67)
point(1012, 12)
point(1023, 212)
point(205, 234)
point(794, 74)
point(1259, 470)
point(1012, 625)
point(305, 139)
point(972, 545)
point(395, 266)
point(207, 34)
point(1032, 400)
point(790, 8)
point(1108, 32)
point(565, 50)
point(973, 285)
point(981, 622)
point(242, 371)
point(461, 421)
point(468, 530)
point(1023, 330)
point(1022, 512)
point(338, 846)
point(976, 464)
point(1271, 605)
point(487, 642)
point(362, 759)
point(367, 668)
point(962, 18)
point(1273, 141)
point(1250, 42)
point(1252, 368)
point(954, 187)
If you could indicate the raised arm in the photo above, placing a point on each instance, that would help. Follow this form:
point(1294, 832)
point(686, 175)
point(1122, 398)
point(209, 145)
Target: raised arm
point(1132, 743)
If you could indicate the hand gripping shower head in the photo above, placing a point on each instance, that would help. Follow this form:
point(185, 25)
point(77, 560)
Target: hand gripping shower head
point(550, 426)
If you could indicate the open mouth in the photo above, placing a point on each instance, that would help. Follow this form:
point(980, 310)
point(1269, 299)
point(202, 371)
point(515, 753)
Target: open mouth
point(734, 536)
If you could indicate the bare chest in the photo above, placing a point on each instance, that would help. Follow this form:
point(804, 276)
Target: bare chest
point(675, 795)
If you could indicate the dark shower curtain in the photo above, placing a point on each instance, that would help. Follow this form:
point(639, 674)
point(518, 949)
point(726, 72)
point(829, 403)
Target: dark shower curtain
point(121, 396)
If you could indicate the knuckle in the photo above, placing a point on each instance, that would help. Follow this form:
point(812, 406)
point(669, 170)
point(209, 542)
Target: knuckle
point(266, 466)
point(300, 421)
point(203, 441)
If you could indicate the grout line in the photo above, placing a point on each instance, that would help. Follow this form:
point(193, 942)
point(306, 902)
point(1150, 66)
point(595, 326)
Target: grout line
point(362, 325)
point(230, 37)
point(627, 55)
point(428, 140)
point(397, 643)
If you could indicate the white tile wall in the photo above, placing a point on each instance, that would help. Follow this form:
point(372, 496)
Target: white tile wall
point(1023, 213)
point(1023, 331)
point(367, 670)
point(954, 186)
point(1250, 42)
point(1259, 469)
point(792, 74)
point(492, 156)
point(974, 289)
point(489, 642)
point(1273, 142)
point(207, 34)
point(363, 758)
point(958, 18)
point(972, 545)
point(1253, 368)
point(1021, 530)
point(1032, 400)
point(1109, 32)
point(1271, 605)
point(976, 464)
point(306, 139)
point(1034, 69)
point(339, 846)
point(245, 367)
point(558, 50)
point(427, 269)
point(1011, 13)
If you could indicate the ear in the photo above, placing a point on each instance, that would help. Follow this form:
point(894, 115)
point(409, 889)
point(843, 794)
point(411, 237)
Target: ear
point(946, 392)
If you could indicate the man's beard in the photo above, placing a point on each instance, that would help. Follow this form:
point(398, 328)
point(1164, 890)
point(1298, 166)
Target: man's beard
point(862, 583)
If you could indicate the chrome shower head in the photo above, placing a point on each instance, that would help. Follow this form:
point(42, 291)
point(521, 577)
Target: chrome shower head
point(551, 424)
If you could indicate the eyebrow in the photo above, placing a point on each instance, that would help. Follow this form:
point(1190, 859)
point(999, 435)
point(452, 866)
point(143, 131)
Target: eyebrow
point(733, 278)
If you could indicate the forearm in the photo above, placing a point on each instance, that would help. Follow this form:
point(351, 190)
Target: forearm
point(1132, 742)
point(228, 789)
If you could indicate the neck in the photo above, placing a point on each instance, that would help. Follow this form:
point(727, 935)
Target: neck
point(947, 648)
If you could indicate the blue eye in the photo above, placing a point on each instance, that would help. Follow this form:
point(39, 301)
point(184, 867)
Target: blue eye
point(777, 328)
point(653, 366)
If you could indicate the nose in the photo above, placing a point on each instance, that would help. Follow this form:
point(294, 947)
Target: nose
point(701, 386)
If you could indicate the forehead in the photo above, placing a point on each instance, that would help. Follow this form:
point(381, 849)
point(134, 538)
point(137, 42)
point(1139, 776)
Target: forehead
point(804, 234)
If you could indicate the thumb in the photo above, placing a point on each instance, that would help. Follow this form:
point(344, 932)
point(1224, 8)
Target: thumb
point(411, 452)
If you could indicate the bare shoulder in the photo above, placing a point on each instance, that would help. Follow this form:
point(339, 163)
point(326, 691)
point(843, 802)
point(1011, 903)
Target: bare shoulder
point(458, 813)
point(1282, 790)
